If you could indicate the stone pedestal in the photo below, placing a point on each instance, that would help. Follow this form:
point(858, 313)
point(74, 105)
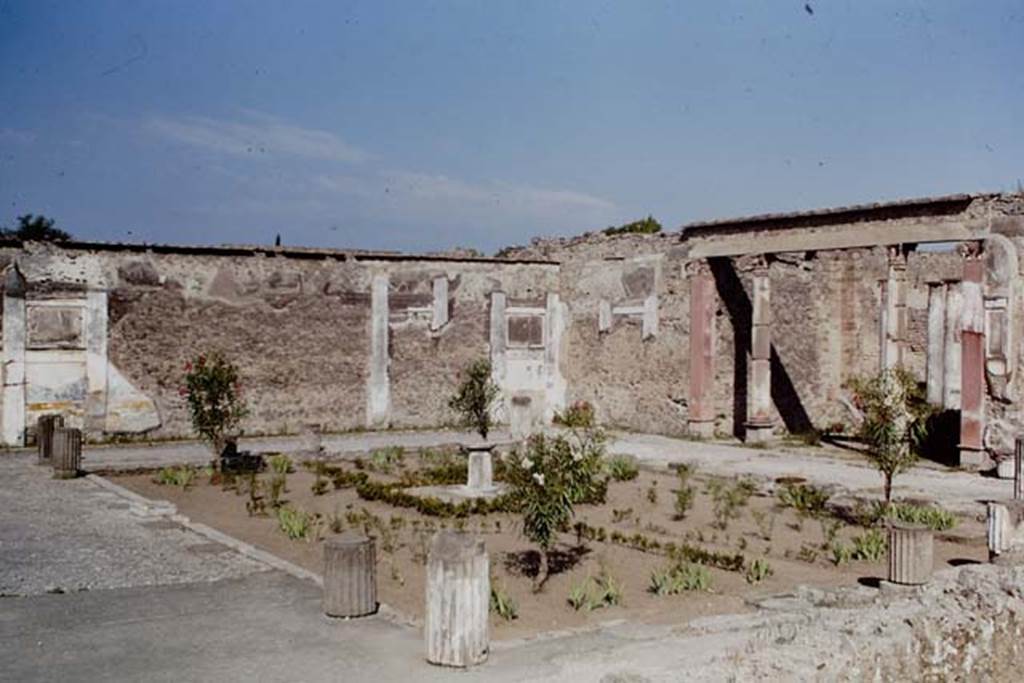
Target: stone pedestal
point(481, 469)
point(910, 554)
point(458, 600)
point(350, 576)
point(311, 440)
point(67, 453)
point(1006, 532)
point(45, 427)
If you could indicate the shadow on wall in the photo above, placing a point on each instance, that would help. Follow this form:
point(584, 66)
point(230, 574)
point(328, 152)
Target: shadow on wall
point(740, 310)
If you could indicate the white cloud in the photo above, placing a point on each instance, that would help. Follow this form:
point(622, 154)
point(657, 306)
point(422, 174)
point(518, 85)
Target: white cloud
point(423, 189)
point(259, 135)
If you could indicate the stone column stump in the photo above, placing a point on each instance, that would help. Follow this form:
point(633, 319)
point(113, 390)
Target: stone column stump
point(481, 468)
point(910, 554)
point(311, 440)
point(1006, 532)
point(67, 453)
point(44, 437)
point(458, 600)
point(350, 576)
point(1018, 469)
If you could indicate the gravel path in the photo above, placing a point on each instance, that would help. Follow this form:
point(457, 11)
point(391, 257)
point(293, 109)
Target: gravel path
point(65, 536)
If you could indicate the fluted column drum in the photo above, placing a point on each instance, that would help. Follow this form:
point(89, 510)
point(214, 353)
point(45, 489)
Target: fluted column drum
point(910, 554)
point(44, 437)
point(67, 453)
point(1018, 469)
point(458, 600)
point(350, 576)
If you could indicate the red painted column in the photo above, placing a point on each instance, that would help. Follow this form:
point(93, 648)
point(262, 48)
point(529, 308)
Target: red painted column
point(972, 364)
point(701, 411)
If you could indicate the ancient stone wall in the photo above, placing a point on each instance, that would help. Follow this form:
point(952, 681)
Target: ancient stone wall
point(826, 328)
point(299, 326)
point(353, 340)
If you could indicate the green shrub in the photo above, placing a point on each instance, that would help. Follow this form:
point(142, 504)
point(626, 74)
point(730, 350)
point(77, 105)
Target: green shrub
point(680, 577)
point(934, 518)
point(621, 468)
point(728, 499)
point(213, 393)
point(841, 553)
point(474, 399)
point(385, 460)
point(280, 464)
point(895, 420)
point(870, 546)
point(296, 524)
point(182, 476)
point(594, 593)
point(502, 603)
point(758, 571)
point(551, 477)
point(644, 226)
point(276, 488)
point(807, 500)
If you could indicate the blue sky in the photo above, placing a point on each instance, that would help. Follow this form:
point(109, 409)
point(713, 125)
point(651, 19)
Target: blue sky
point(426, 125)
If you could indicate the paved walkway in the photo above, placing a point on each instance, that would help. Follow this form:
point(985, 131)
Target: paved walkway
point(160, 454)
point(959, 491)
point(269, 627)
point(66, 536)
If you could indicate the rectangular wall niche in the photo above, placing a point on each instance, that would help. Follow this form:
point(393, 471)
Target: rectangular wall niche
point(525, 331)
point(55, 327)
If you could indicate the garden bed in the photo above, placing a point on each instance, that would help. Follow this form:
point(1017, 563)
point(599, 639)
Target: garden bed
point(631, 536)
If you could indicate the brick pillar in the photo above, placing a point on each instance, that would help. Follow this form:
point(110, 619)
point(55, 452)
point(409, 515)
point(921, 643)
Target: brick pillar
point(894, 310)
point(759, 420)
point(700, 419)
point(972, 364)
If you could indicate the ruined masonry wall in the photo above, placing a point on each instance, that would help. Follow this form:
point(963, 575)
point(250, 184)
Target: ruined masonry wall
point(299, 328)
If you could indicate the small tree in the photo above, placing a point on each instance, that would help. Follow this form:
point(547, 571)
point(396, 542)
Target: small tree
point(474, 399)
point(213, 393)
point(553, 475)
point(894, 421)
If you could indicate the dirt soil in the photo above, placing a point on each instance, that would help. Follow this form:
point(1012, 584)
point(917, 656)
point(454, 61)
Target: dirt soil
point(793, 547)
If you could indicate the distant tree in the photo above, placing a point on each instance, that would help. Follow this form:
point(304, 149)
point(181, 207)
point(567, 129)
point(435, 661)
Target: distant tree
point(35, 228)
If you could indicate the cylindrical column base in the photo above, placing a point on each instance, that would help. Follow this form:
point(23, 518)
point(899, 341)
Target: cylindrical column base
point(910, 554)
point(350, 576)
point(67, 453)
point(458, 600)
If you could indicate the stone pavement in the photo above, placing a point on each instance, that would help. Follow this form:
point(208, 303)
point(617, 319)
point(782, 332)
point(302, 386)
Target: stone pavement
point(73, 535)
point(269, 627)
